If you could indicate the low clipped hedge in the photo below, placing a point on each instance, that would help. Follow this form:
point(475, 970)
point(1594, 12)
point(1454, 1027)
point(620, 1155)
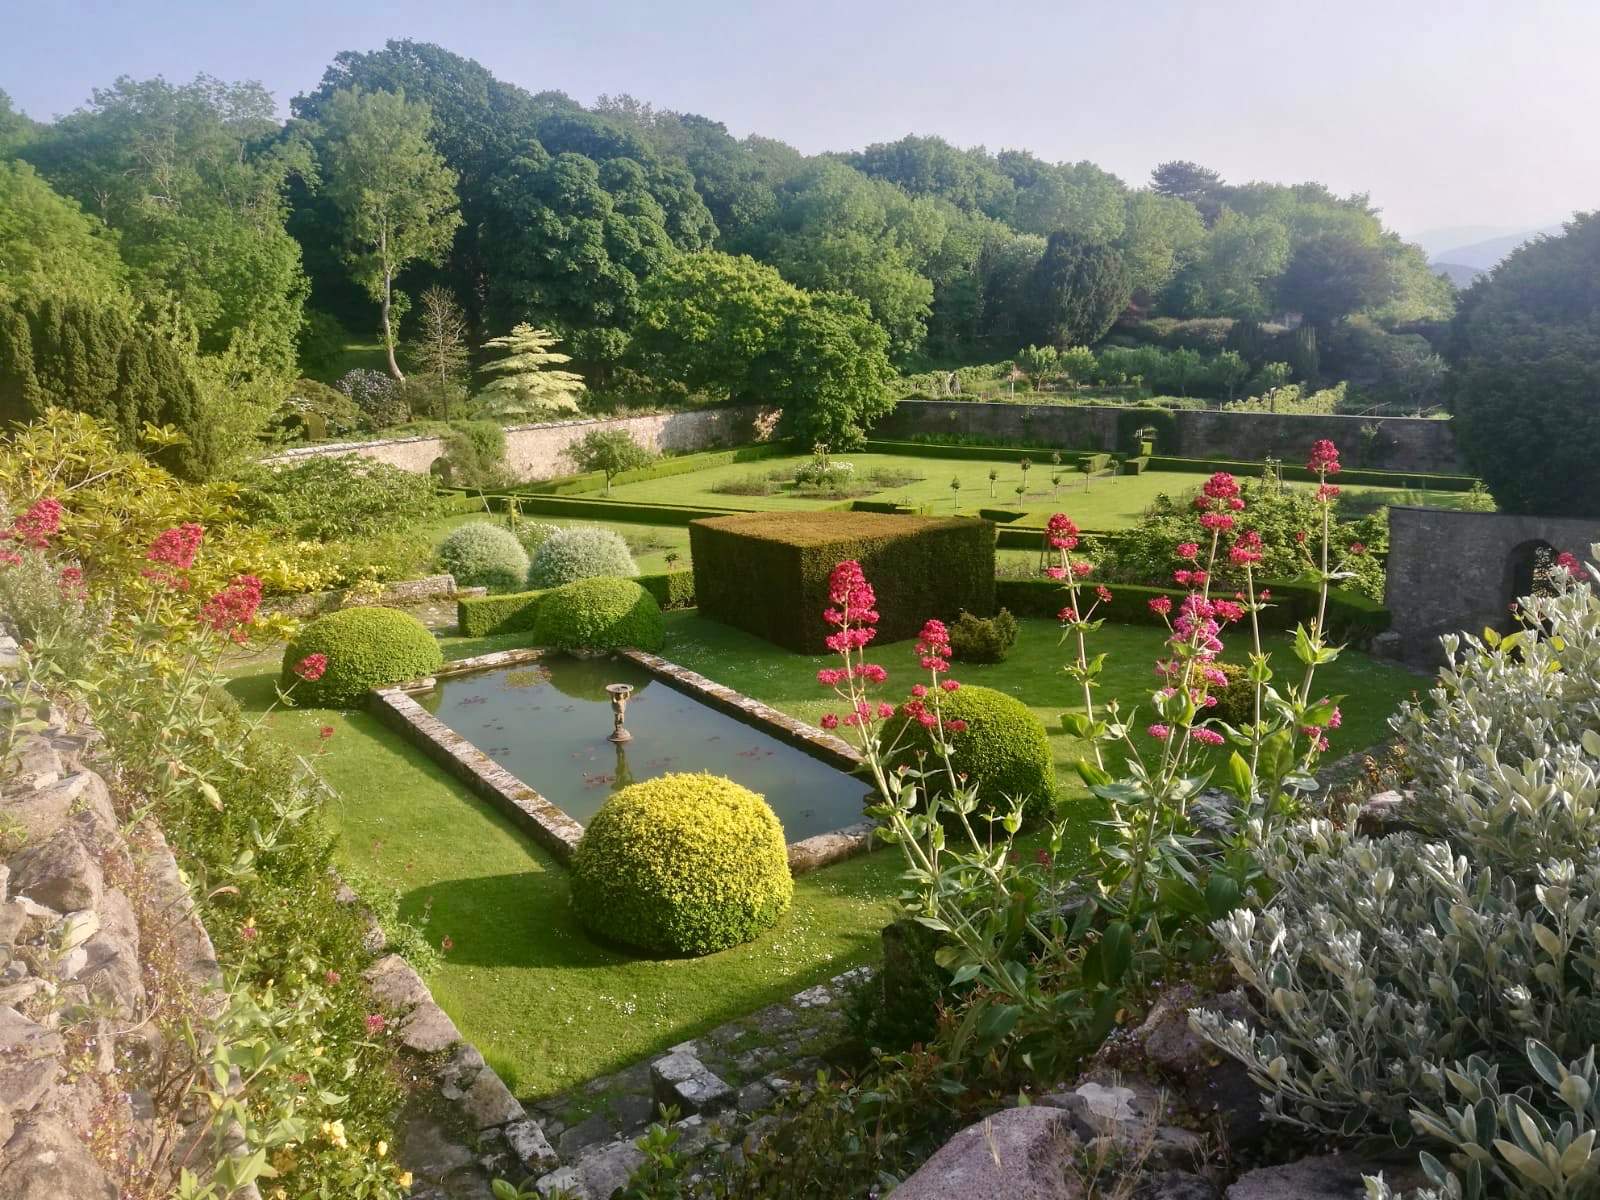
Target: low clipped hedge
point(662, 468)
point(767, 573)
point(479, 616)
point(1351, 617)
point(366, 648)
point(598, 614)
point(682, 864)
point(480, 554)
point(1363, 476)
point(1004, 747)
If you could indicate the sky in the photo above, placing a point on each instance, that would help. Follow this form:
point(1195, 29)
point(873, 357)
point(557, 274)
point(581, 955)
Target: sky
point(1475, 115)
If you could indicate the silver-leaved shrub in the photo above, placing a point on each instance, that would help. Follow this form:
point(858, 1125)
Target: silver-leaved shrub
point(1447, 981)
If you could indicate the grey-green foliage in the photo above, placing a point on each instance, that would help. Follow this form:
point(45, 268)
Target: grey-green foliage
point(580, 552)
point(479, 554)
point(1437, 981)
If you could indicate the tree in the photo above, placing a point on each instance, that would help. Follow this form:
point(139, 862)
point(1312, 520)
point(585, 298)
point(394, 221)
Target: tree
point(610, 451)
point(1161, 236)
point(827, 366)
point(441, 346)
point(395, 193)
point(1330, 276)
point(1241, 255)
point(49, 244)
point(1525, 363)
point(1186, 181)
point(525, 379)
point(1040, 363)
point(1078, 290)
point(194, 180)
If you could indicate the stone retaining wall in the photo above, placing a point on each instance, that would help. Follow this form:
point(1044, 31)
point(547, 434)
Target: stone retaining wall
point(1400, 443)
point(538, 451)
point(402, 593)
point(97, 932)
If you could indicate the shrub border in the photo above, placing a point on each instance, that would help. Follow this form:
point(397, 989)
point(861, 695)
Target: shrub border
point(512, 612)
point(549, 824)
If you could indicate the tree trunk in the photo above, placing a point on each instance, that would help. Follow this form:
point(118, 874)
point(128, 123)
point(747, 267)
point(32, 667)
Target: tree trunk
point(388, 328)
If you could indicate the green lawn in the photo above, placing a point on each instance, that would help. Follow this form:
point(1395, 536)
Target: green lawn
point(1100, 502)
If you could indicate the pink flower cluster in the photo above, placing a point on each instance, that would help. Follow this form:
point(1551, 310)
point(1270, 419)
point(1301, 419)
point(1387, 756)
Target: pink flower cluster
point(234, 607)
point(1568, 562)
point(1246, 550)
point(312, 667)
point(1061, 532)
point(855, 610)
point(1324, 458)
point(177, 547)
point(35, 527)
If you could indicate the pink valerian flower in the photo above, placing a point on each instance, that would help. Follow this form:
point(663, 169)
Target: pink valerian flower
point(1314, 732)
point(331, 977)
point(70, 582)
point(1228, 610)
point(1568, 562)
point(1324, 458)
point(1160, 732)
point(312, 667)
point(1182, 577)
point(176, 547)
point(325, 732)
point(35, 527)
point(1327, 492)
point(919, 690)
point(234, 607)
point(1161, 605)
point(832, 676)
point(830, 720)
point(957, 725)
point(376, 1024)
point(1220, 522)
point(1061, 533)
point(1336, 719)
point(950, 685)
point(1236, 504)
point(1246, 549)
point(1221, 486)
point(885, 710)
point(1300, 536)
point(1103, 594)
point(1082, 568)
point(1358, 548)
point(871, 672)
point(857, 610)
point(1214, 677)
point(10, 558)
point(1067, 615)
point(1189, 550)
point(1209, 737)
point(1057, 573)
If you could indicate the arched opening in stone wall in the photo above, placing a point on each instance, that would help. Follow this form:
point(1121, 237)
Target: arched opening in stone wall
point(1527, 572)
point(439, 468)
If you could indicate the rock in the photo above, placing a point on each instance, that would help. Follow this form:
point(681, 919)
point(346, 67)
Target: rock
point(1175, 1185)
point(685, 1083)
point(43, 812)
point(693, 1135)
point(425, 1148)
point(13, 916)
point(394, 984)
point(111, 972)
point(1383, 814)
point(1388, 644)
point(59, 872)
point(489, 1102)
point(633, 1112)
point(5, 883)
point(1017, 1154)
point(606, 1171)
point(592, 1129)
point(531, 1148)
point(1325, 1177)
point(46, 1161)
point(428, 1030)
point(24, 1084)
point(1128, 1112)
point(753, 1097)
point(568, 1182)
point(34, 767)
point(462, 1067)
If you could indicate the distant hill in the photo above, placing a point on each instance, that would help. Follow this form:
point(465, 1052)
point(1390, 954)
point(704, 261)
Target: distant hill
point(1483, 255)
point(1457, 273)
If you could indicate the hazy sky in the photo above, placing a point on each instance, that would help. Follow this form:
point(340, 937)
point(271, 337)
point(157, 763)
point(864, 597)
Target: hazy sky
point(1449, 112)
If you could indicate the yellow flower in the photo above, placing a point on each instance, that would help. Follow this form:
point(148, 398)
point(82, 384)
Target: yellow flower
point(383, 1148)
point(405, 1179)
point(334, 1132)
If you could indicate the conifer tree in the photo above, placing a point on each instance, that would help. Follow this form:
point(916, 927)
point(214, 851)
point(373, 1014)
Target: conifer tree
point(523, 382)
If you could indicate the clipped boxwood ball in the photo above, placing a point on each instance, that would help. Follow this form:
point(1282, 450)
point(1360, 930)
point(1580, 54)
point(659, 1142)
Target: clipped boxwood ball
point(365, 648)
point(1004, 747)
point(682, 864)
point(580, 552)
point(598, 614)
point(479, 554)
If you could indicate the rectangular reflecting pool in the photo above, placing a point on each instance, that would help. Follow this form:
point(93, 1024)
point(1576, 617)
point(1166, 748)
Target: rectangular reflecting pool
point(547, 722)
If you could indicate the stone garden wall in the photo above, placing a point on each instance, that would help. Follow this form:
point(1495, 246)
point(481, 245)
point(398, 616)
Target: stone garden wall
point(1454, 571)
point(1400, 443)
point(536, 451)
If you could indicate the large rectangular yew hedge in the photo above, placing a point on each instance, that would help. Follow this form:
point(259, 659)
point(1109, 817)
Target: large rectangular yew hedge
point(767, 573)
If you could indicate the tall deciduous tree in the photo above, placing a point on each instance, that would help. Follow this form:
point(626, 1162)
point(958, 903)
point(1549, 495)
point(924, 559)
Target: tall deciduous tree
point(441, 345)
point(1330, 276)
point(1525, 360)
point(394, 191)
point(1078, 290)
point(49, 244)
point(525, 376)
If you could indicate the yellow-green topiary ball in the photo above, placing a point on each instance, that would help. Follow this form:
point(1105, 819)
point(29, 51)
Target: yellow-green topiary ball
point(682, 864)
point(365, 648)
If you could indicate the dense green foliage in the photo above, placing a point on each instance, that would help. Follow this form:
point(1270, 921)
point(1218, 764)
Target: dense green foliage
point(49, 244)
point(336, 496)
point(366, 647)
point(580, 552)
point(1526, 352)
point(983, 639)
point(610, 452)
point(513, 612)
point(1004, 748)
point(682, 864)
point(91, 357)
point(480, 554)
point(767, 573)
point(598, 614)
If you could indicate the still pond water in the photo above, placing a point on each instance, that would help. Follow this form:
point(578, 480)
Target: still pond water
point(547, 722)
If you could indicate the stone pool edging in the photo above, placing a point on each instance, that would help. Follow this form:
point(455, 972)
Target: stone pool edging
point(549, 824)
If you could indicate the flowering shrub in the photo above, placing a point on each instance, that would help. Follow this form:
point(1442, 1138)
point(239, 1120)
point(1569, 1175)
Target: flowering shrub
point(479, 554)
point(580, 552)
point(380, 399)
point(1445, 981)
point(1050, 962)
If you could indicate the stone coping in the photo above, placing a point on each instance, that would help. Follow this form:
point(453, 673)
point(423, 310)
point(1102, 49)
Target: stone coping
point(548, 823)
point(402, 592)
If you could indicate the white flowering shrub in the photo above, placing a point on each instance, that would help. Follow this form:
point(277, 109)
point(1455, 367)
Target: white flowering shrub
point(580, 552)
point(479, 554)
point(1447, 982)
